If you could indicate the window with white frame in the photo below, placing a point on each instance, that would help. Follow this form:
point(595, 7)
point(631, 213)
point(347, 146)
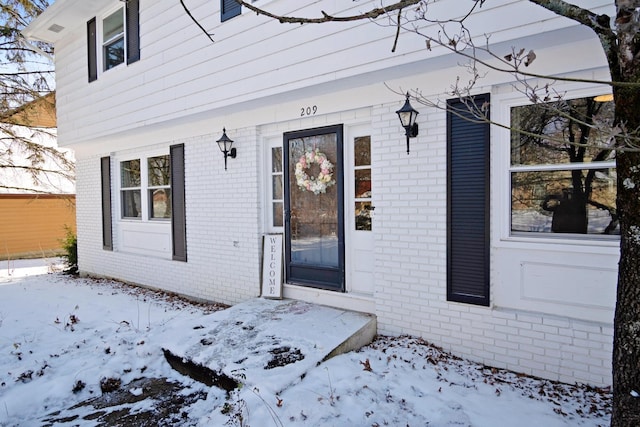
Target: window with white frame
point(362, 183)
point(562, 169)
point(113, 42)
point(130, 181)
point(113, 38)
point(277, 190)
point(159, 190)
point(150, 177)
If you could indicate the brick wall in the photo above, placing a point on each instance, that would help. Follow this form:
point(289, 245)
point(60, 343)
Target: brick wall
point(222, 216)
point(410, 251)
point(224, 228)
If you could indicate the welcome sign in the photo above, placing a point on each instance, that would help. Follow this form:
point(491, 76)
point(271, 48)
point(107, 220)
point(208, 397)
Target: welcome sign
point(272, 266)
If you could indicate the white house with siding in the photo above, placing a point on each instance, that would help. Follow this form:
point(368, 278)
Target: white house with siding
point(497, 246)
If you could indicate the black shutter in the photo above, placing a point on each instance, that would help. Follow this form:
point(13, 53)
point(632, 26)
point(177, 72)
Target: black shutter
point(105, 173)
point(133, 31)
point(229, 9)
point(178, 216)
point(92, 50)
point(467, 202)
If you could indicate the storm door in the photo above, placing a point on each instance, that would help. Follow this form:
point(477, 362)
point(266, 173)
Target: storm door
point(314, 209)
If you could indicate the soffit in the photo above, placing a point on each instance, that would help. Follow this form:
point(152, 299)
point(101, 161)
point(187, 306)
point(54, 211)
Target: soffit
point(62, 17)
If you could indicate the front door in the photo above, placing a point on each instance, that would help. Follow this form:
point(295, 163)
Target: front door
point(314, 208)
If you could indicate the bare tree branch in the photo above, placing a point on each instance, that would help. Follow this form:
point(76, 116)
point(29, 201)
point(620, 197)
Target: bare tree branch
point(600, 24)
point(371, 14)
point(209, 35)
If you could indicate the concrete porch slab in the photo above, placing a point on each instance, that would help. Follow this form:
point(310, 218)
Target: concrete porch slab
point(271, 344)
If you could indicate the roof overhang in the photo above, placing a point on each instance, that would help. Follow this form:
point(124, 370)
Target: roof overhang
point(61, 18)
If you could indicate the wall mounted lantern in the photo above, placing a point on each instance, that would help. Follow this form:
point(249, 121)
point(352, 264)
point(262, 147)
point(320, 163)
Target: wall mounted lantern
point(408, 117)
point(225, 146)
point(604, 98)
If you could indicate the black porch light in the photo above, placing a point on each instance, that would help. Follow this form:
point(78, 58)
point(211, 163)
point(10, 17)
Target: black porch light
point(407, 116)
point(224, 143)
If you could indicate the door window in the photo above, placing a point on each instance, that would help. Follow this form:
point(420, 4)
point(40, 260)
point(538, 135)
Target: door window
point(314, 205)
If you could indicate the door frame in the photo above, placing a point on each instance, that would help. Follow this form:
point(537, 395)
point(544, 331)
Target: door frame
point(354, 283)
point(330, 278)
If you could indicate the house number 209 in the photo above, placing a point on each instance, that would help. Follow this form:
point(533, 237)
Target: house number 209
point(308, 111)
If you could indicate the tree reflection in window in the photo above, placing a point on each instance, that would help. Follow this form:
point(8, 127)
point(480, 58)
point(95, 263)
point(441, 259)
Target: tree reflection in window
point(159, 183)
point(113, 39)
point(563, 177)
point(130, 178)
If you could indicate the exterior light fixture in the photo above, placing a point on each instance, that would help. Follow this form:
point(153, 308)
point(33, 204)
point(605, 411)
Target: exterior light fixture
point(604, 98)
point(408, 117)
point(224, 143)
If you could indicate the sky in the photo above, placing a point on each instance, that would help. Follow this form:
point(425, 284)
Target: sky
point(61, 335)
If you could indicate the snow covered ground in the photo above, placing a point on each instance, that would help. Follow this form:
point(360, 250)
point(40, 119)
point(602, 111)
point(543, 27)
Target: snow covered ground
point(61, 337)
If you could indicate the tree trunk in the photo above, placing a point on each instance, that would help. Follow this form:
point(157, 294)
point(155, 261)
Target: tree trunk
point(626, 341)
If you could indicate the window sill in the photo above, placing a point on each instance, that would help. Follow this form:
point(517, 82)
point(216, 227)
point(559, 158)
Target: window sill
point(593, 243)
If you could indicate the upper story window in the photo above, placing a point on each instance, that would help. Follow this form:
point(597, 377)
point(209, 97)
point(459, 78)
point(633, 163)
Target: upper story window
point(116, 36)
point(150, 177)
point(229, 9)
point(113, 39)
point(563, 176)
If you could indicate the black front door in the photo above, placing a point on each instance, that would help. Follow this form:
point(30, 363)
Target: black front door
point(314, 210)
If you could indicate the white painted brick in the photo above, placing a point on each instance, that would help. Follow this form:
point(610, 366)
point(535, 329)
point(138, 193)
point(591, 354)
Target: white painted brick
point(599, 338)
point(482, 355)
point(505, 360)
point(602, 372)
point(533, 365)
point(560, 323)
point(519, 324)
point(510, 331)
point(410, 250)
point(551, 338)
point(532, 334)
point(521, 340)
point(544, 328)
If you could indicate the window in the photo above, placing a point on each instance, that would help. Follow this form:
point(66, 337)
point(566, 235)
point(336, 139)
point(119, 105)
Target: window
point(563, 177)
point(113, 39)
point(152, 177)
point(229, 9)
point(362, 184)
point(117, 38)
point(159, 187)
point(277, 200)
point(130, 189)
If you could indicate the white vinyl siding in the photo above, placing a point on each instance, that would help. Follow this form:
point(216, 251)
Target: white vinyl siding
point(253, 57)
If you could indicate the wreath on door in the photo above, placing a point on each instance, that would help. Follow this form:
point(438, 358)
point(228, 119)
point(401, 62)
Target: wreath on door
point(315, 184)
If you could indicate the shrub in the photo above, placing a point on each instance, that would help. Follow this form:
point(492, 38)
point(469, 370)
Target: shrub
point(70, 246)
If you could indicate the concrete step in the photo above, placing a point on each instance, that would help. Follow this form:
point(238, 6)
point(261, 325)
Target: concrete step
point(269, 344)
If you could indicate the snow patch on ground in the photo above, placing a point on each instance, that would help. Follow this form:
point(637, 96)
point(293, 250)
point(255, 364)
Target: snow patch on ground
point(63, 338)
